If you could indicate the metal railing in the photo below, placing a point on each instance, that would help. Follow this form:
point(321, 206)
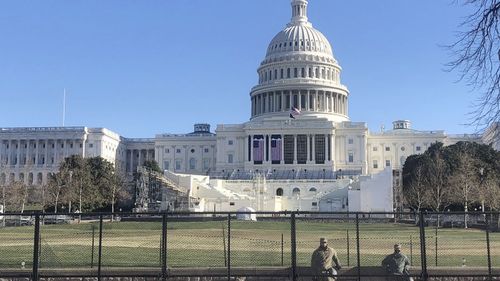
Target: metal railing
point(161, 243)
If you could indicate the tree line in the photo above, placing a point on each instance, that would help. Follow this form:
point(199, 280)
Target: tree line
point(462, 175)
point(80, 185)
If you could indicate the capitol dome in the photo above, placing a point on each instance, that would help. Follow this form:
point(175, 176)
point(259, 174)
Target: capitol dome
point(299, 73)
point(299, 38)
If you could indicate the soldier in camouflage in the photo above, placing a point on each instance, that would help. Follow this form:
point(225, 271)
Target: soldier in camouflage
point(397, 263)
point(322, 261)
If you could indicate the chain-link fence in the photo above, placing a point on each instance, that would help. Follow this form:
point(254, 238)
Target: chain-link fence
point(230, 242)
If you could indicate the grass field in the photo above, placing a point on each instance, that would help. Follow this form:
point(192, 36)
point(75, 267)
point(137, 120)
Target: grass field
point(251, 244)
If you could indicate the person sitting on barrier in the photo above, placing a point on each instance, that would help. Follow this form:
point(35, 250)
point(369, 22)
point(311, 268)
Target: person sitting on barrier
point(322, 262)
point(397, 263)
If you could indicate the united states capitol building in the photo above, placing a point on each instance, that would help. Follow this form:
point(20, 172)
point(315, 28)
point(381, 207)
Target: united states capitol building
point(317, 161)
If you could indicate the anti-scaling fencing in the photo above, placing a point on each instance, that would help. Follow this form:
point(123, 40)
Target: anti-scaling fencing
point(226, 244)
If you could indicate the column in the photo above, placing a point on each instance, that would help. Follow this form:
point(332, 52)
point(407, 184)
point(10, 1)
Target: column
point(37, 145)
point(28, 153)
point(131, 161)
point(290, 98)
point(267, 148)
point(46, 153)
point(282, 161)
point(327, 149)
point(251, 148)
point(308, 149)
point(282, 100)
point(56, 153)
point(333, 149)
point(84, 146)
point(18, 153)
point(308, 107)
point(299, 100)
point(314, 148)
point(294, 149)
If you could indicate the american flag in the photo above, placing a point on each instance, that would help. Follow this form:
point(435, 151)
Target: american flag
point(294, 112)
point(275, 149)
point(258, 149)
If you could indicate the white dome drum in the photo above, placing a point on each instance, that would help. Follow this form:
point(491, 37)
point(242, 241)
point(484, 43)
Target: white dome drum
point(299, 71)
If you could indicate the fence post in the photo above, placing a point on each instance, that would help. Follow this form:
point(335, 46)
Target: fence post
point(488, 249)
point(411, 249)
point(436, 244)
point(164, 247)
point(294, 247)
point(36, 247)
point(229, 246)
point(348, 250)
point(93, 244)
point(423, 255)
point(357, 247)
point(282, 248)
point(99, 258)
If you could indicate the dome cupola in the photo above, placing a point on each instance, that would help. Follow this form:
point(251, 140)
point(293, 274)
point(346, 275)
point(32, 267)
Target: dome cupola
point(299, 70)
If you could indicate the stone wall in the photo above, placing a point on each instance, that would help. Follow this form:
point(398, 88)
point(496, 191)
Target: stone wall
point(241, 274)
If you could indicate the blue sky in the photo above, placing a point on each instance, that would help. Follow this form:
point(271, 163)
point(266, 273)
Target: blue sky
point(142, 68)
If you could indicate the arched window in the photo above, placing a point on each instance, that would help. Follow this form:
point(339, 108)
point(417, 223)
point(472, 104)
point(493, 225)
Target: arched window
point(312, 189)
point(192, 163)
point(296, 191)
point(403, 160)
point(279, 192)
point(39, 178)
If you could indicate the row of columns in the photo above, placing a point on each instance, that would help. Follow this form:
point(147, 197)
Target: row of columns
point(141, 155)
point(308, 72)
point(311, 148)
point(13, 151)
point(309, 100)
point(30, 178)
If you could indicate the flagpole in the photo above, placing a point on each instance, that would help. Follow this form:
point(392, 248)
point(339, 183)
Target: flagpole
point(64, 108)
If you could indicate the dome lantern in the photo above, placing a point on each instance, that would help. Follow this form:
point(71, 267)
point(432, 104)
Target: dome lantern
point(299, 12)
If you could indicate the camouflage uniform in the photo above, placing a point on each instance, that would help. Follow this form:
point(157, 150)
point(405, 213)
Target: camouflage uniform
point(397, 264)
point(322, 263)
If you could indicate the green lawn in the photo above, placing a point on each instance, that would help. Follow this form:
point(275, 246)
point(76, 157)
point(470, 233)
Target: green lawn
point(189, 244)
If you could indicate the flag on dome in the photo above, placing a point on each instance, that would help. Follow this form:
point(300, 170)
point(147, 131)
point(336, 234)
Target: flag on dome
point(294, 112)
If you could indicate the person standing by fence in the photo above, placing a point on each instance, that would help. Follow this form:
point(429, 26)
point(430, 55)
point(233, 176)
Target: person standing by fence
point(322, 261)
point(397, 264)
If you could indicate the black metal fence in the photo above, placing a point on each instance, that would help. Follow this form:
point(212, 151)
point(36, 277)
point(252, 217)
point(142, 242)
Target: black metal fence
point(228, 241)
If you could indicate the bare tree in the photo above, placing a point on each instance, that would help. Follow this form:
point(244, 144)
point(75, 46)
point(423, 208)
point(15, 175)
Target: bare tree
point(417, 192)
point(477, 58)
point(464, 181)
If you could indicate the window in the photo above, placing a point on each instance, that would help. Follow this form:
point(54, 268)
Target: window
point(230, 142)
point(351, 141)
point(279, 192)
point(288, 73)
point(167, 150)
point(229, 158)
point(296, 191)
point(375, 148)
point(166, 165)
point(402, 148)
point(375, 164)
point(178, 150)
point(71, 145)
point(90, 145)
point(192, 150)
point(351, 157)
point(387, 148)
point(178, 164)
point(206, 150)
point(295, 72)
point(206, 164)
point(312, 189)
point(192, 164)
point(281, 73)
point(231, 203)
point(314, 203)
point(418, 148)
point(387, 163)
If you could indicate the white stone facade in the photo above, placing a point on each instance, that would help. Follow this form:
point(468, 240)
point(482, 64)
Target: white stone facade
point(313, 151)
